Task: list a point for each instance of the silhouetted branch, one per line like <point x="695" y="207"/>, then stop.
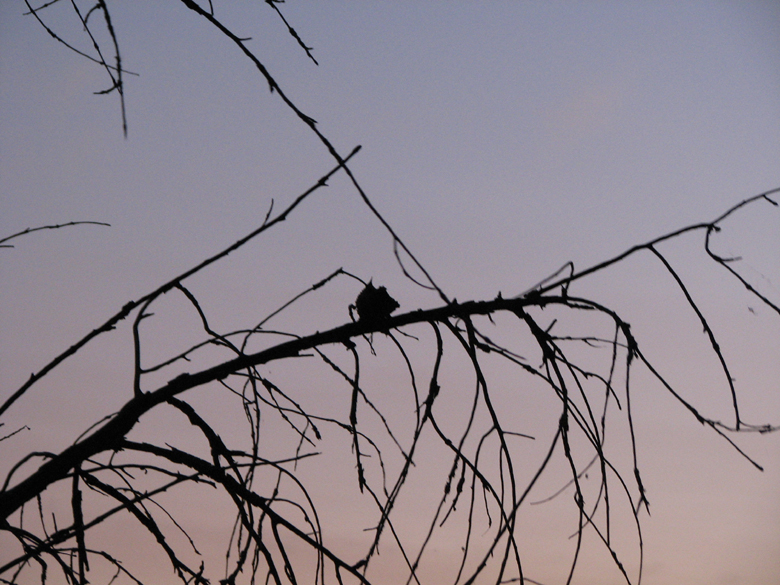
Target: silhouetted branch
<point x="130" y="306"/>
<point x="278" y="534"/>
<point x="47" y="227"/>
<point x="560" y="372"/>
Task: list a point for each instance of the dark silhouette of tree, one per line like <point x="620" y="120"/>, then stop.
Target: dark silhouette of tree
<point x="470" y="442"/>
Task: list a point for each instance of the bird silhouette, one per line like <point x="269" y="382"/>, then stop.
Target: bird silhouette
<point x="375" y="304"/>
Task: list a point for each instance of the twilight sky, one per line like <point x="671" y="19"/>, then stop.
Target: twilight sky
<point x="500" y="140"/>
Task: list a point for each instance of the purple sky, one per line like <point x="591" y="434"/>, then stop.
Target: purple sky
<point x="499" y="139"/>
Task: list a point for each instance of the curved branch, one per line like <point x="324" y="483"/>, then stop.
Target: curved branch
<point x="129" y="307"/>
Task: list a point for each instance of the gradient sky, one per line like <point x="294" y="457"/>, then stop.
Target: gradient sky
<point x="499" y="139"/>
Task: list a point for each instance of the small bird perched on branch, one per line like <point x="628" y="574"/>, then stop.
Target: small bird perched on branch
<point x="375" y="304"/>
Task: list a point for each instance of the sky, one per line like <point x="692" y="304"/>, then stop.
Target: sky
<point x="500" y="140"/>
